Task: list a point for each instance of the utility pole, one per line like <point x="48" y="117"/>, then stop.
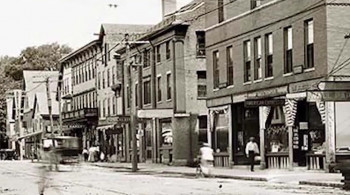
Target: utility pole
<point x="60" y="83"/>
<point x="49" y="104"/>
<point x="132" y="105"/>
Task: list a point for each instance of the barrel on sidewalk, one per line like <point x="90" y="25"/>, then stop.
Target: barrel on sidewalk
<point x="344" y="168"/>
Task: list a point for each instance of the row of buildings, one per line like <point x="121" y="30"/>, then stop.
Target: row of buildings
<point x="218" y="72"/>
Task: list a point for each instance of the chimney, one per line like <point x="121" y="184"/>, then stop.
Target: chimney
<point x="168" y="6"/>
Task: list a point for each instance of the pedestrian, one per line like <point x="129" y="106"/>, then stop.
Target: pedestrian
<point x="85" y="154"/>
<point x="251" y="150"/>
<point x="102" y="156"/>
<point x="207" y="158"/>
<point x="32" y="153"/>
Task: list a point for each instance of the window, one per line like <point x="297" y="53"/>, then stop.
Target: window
<point x="257" y="53"/>
<point x="202" y="136"/>
<point x="113" y="75"/>
<point x="146" y="58"/>
<point x="90" y="76"/>
<point x="107" y="55"/>
<point x="86" y="72"/>
<point x="104" y="108"/>
<point x="93" y="68"/>
<point x="247" y="61"/>
<point x="73" y="78"/>
<point x="229" y="63"/>
<point x="201" y="84"/>
<point x="103" y="80"/>
<point x="288" y="50"/>
<point x="269" y="55"/>
<point x="147" y="91"/>
<point x="159" y="88"/>
<point x="158" y="53"/>
<point x="136" y="95"/>
<point x="255" y="3"/>
<point x="221" y="10"/>
<point x="114" y="109"/>
<point x="128" y="97"/>
<point x="168" y="86"/>
<point x="167" y="49"/>
<point x="99" y="80"/>
<point x="108" y="81"/>
<point x="216" y="70"/>
<point x="200" y="43"/>
<point x="109" y="107"/>
<point x="100" y="109"/>
<point x="309" y="43"/>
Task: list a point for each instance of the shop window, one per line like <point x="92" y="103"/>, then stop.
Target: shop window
<point x="221" y="131"/>
<point x="342" y="124"/>
<point x="167" y="133"/>
<point x="276" y="132"/>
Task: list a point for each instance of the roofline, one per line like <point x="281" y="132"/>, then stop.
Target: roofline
<point x="73" y="53"/>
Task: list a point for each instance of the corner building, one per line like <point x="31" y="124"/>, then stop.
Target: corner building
<point x="266" y="61"/>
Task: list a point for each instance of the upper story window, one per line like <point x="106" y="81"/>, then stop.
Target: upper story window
<point x="309" y="44"/>
<point x="200" y="43"/>
<point x="146" y="58"/>
<point x="288" y="50"/>
<point x="158" y="53"/>
<point x="108" y="80"/>
<point x="107" y="55"/>
<point x="201" y="84"/>
<point x="113" y="75"/>
<point x="255" y="3"/>
<point x="229" y="63"/>
<point x="103" y="80"/>
<point x="159" y="88"/>
<point x="168" y="86"/>
<point x="167" y="49"/>
<point x="136" y="95"/>
<point x="147" y="91"/>
<point x="269" y="55"/>
<point x="221" y="13"/>
<point x="90" y="67"/>
<point x="257" y="64"/>
<point x="216" y="70"/>
<point x="247" y="61"/>
<point x="99" y="80"/>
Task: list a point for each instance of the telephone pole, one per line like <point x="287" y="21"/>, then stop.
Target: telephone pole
<point x="49" y="104"/>
<point x="132" y="105"/>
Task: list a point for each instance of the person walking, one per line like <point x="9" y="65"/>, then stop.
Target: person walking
<point x="251" y="150"/>
<point x="85" y="154"/>
<point x="207" y="158"/>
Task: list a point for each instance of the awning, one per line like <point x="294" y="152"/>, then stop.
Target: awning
<point x="31" y="134"/>
<point x="155" y="113"/>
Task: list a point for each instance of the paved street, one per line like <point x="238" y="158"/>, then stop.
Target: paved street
<point x="22" y="178"/>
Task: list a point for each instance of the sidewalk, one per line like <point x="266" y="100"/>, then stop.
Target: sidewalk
<point x="297" y="176"/>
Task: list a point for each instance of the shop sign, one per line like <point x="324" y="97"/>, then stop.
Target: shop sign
<point x="257" y="103"/>
<point x="303" y="86"/>
<point x="123" y="119"/>
<point x="335" y="95"/>
<point x="269" y="92"/>
<point x="113" y="131"/>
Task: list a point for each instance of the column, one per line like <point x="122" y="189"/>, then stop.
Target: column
<point x="230" y="133"/>
<point x="290" y="113"/>
<point x="263" y="114"/>
<point x="178" y="76"/>
<point x="330" y="134"/>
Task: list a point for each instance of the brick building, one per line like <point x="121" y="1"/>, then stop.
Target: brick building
<point x="265" y="61"/>
<point x="78" y="92"/>
<point x="169" y="87"/>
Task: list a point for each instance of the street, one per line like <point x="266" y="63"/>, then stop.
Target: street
<point x="21" y="177"/>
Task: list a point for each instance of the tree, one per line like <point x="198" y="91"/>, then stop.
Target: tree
<point x="44" y="57"/>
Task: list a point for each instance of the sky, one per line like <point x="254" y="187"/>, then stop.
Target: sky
<point x="73" y="22"/>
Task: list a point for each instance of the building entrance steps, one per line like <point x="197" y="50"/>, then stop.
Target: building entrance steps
<point x="299" y="175"/>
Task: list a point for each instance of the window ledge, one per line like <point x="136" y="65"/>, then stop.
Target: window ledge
<point x="201" y="98"/>
<point x="258" y="81"/>
<point x="247" y="83"/>
<point x="216" y="89"/>
<point x="268" y="78"/>
<point x="288" y="74"/>
<point x="230" y="86"/>
<point x="148" y="104"/>
<point x="309" y="69"/>
<point x="200" y="56"/>
<point x="147" y="67"/>
<point x="158" y="102"/>
<point x="168" y="100"/>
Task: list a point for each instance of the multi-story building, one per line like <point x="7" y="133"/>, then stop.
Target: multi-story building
<point x="265" y="62"/>
<point x="35" y="123"/>
<point x="111" y="141"/>
<point x="78" y="92"/>
<point x="170" y="87"/>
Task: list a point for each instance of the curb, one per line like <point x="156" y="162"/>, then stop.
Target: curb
<point x="247" y="178"/>
<point x="323" y="184"/>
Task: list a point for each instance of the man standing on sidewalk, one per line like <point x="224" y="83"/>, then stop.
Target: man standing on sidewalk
<point x="251" y="149"/>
